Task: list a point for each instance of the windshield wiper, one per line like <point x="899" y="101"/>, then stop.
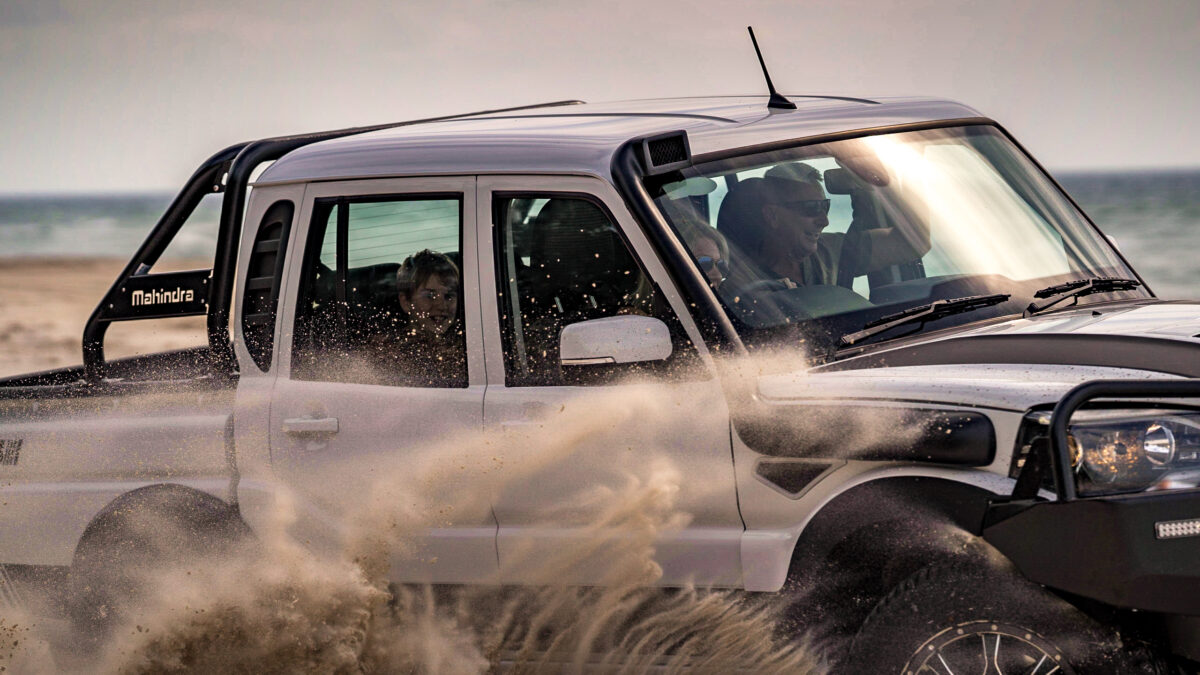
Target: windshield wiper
<point x="1077" y="289"/>
<point x="922" y="314"/>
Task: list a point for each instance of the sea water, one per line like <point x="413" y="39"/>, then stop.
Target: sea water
<point x="1154" y="217"/>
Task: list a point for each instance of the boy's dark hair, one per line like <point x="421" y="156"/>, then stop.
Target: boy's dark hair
<point x="420" y="266"/>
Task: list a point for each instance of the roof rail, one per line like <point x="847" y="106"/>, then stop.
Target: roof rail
<point x="852" y="99"/>
<point x="227" y="171"/>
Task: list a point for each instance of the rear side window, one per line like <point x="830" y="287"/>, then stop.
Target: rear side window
<point x="380" y="297"/>
<point x="561" y="260"/>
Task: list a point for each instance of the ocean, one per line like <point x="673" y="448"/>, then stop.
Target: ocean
<point x="1154" y="216"/>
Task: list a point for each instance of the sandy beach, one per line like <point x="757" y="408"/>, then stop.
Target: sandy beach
<point x="45" y="302"/>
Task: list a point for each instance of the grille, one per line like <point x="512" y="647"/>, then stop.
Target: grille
<point x="667" y="151"/>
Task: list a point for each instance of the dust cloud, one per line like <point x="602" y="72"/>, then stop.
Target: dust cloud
<point x="277" y="604"/>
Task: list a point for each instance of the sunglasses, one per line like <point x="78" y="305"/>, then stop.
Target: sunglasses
<point x="809" y="208"/>
<point x="707" y="264"/>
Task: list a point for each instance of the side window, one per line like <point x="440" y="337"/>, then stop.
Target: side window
<point x="561" y="260"/>
<point x="379" y="299"/>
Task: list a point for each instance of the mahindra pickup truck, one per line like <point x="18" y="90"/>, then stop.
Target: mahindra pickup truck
<point x="922" y="402"/>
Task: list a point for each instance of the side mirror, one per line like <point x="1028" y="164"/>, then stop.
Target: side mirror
<point x="614" y="339"/>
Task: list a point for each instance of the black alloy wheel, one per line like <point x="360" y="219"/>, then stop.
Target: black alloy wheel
<point x="956" y="619"/>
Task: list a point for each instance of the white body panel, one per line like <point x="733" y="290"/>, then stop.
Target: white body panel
<point x="689" y="430"/>
<point x="333" y="473"/>
<point x="77" y="455"/>
<point x="999" y="386"/>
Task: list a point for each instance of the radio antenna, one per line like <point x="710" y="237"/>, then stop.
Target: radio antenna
<point x="777" y="100"/>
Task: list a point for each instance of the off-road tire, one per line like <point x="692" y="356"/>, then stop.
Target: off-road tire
<point x="951" y="619"/>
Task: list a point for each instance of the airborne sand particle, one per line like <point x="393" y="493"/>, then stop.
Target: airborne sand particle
<point x="280" y="607"/>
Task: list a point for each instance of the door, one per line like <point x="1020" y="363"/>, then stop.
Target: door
<point x="383" y="374"/>
<point x="589" y="445"/>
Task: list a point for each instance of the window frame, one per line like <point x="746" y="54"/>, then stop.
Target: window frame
<point x="494" y="189"/>
<point x="460" y="188"/>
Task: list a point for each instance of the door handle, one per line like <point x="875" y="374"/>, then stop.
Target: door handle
<point x="308" y="426"/>
<point x="515" y="425"/>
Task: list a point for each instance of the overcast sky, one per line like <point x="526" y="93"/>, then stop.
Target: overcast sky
<point x="133" y="94"/>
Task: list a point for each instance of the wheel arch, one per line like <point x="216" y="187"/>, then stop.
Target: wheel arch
<point x="190" y="508"/>
<point x="871" y="537"/>
<point x="910" y="505"/>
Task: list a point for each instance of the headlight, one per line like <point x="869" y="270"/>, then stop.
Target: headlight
<point x="1127" y="450"/>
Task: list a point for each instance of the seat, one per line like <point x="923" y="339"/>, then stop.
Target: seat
<point x="579" y="269"/>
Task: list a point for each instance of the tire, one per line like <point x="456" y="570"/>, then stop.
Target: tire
<point x="147" y="529"/>
<point x="947" y="619"/>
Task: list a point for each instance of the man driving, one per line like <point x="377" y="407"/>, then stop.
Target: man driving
<point x="779" y="221"/>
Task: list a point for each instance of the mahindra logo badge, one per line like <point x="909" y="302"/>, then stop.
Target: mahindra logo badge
<point x="157" y="297"/>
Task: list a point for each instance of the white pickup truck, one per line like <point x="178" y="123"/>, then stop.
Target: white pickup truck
<point x="876" y="321"/>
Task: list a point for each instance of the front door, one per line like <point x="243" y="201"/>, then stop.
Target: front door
<point x="593" y="451"/>
<point x="383" y="374"/>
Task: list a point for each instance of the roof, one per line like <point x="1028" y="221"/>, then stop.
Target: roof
<point x="581" y="139"/>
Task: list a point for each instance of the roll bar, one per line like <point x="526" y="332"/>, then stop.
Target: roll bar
<point x="227" y="171"/>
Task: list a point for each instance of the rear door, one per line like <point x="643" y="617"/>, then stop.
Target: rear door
<point x="589" y="442"/>
<point x="359" y="429"/>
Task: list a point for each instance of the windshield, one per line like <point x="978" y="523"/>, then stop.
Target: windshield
<point x="822" y="239"/>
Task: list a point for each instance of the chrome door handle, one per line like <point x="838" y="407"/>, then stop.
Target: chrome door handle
<point x="308" y="426"/>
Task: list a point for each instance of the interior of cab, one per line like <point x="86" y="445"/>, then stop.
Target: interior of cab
<point x="893" y="222"/>
<point x="561" y="260"/>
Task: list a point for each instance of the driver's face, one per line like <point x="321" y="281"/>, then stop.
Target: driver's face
<point x="798" y="220"/>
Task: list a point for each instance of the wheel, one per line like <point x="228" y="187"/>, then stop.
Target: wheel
<point x="137" y="533"/>
<point x="954" y="620"/>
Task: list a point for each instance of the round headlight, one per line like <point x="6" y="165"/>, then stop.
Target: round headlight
<point x="1075" y="450"/>
<point x="1159" y="444"/>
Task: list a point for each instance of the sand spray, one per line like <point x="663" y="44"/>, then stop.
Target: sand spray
<point x="275" y="605"/>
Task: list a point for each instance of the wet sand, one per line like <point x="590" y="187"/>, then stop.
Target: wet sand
<point x="45" y="303"/>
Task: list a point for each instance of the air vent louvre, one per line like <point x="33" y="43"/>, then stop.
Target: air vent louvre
<point x="667" y="151"/>
<point x="263" y="281"/>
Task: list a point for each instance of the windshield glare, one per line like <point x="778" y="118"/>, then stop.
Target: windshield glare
<point x="822" y="239"/>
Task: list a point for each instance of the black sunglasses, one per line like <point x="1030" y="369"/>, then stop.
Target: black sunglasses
<point x="809" y="208"/>
<point x="707" y="263"/>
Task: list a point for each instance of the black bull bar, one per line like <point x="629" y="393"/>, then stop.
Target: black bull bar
<point x="1109" y="548"/>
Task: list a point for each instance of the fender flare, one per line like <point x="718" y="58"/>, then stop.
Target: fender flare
<point x="154" y="525"/>
<point x="196" y="510"/>
<point x="874" y="535"/>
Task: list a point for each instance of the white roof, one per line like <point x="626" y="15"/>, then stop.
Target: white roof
<point x="581" y="139"/>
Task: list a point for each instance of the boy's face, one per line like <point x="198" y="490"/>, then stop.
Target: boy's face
<point x="433" y="305"/>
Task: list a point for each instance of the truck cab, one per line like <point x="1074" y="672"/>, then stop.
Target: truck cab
<point x="861" y="332"/>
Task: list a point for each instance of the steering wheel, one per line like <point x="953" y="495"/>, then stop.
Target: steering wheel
<point x="765" y="286"/>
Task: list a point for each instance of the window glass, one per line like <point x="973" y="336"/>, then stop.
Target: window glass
<point x="380" y="298"/>
<point x="561" y="260"/>
<point x="822" y="240"/>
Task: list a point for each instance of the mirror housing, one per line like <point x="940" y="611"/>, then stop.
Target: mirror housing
<point x="614" y="339"/>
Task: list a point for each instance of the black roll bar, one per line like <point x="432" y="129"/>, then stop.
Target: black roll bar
<point x="228" y="171"/>
<point x="1088" y="391"/>
<point x="206" y="180"/>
